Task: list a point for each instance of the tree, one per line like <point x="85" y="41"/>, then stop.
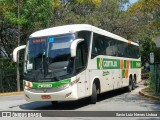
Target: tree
<point x="146" y="13"/>
<point x="35" y="15"/>
<point x="149" y="12"/>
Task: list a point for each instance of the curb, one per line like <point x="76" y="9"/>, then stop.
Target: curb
<point x="11" y="93"/>
<point x="141" y="92"/>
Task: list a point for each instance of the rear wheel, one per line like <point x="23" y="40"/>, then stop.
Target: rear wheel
<point x="94" y="94"/>
<point x="129" y="88"/>
<point x="133" y="84"/>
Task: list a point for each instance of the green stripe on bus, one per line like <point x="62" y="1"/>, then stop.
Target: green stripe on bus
<point x="135" y="64"/>
<point x="104" y="63"/>
<point x="49" y="84"/>
<point x="125" y="63"/>
<point x="123" y="73"/>
<point x="98" y="63"/>
<point x="108" y="63"/>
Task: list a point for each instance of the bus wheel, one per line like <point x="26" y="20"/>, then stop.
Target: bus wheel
<point x="94" y="94"/>
<point x="133" y="84"/>
<point x="129" y="88"/>
<point x="54" y="102"/>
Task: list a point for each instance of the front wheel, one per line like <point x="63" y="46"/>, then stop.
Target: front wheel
<point x="94" y="94"/>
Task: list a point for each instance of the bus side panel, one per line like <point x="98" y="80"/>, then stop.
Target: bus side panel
<point x="81" y="87"/>
<point x="94" y="73"/>
<point x="109" y="78"/>
<point x="137" y="72"/>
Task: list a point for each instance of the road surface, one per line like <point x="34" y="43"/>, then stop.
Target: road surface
<point x="117" y="100"/>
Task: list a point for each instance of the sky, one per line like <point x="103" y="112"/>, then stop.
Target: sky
<point x="133" y="1"/>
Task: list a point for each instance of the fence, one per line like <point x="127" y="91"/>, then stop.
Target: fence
<point x="155" y="77"/>
<point x="7" y="80"/>
<point x="8" y="75"/>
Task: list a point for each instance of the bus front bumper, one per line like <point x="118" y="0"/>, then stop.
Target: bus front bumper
<point x="63" y="95"/>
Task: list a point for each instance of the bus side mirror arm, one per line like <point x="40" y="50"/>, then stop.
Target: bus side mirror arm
<point x="16" y="50"/>
<point x="74" y="46"/>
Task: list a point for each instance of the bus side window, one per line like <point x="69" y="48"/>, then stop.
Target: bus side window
<point x="105" y="45"/>
<point x="79" y="61"/>
<point x="115" y="50"/>
<point x="126" y="54"/>
<point x="120" y="49"/>
<point x="110" y="48"/>
<point x="109" y="51"/>
<point x="99" y="46"/>
<point x="96" y="48"/>
<point x="125" y="49"/>
<point x="86" y="35"/>
<point x="132" y="52"/>
<point x="137" y="52"/>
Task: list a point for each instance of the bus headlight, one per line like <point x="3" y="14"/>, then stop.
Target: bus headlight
<point x="27" y="85"/>
<point x="27" y="88"/>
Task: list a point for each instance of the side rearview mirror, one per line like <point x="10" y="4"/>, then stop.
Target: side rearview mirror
<point x="74" y="46"/>
<point x="16" y="50"/>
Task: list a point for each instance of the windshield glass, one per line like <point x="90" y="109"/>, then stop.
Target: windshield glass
<point x="48" y="58"/>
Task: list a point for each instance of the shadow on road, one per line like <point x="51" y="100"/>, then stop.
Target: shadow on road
<point x="111" y="94"/>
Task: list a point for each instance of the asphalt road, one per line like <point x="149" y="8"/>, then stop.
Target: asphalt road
<point x="117" y="100"/>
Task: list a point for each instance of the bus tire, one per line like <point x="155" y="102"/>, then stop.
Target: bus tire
<point x="129" y="87"/>
<point x="54" y="102"/>
<point x="133" y="84"/>
<point x="94" y="94"/>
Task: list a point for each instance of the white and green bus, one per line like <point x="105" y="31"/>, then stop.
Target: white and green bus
<point x="75" y="61"/>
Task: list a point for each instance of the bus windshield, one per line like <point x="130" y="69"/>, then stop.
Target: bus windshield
<point x="48" y="58"/>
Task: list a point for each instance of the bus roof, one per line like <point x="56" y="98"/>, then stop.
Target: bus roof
<point x="74" y="28"/>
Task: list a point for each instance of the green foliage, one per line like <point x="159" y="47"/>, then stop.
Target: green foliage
<point x="147" y="83"/>
<point x="36" y="12"/>
<point x="146" y="13"/>
<point x="7" y="75"/>
<point x="12" y="18"/>
<point x="6" y="64"/>
<point x="31" y="11"/>
<point x="95" y="2"/>
<point x="34" y="15"/>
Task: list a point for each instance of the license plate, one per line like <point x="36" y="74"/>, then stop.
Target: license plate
<point x="46" y="97"/>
